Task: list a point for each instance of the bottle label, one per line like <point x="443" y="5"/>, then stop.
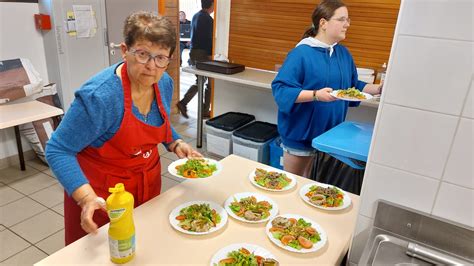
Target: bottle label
<point x="120" y="249"/>
<point x="116" y="214"/>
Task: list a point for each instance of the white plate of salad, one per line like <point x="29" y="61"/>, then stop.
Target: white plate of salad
<point x="310" y="236"/>
<point x="251" y="207"/>
<point x="195" y="168"/>
<point x="272" y="179"/>
<point x="325" y="196"/>
<point x="352" y="95"/>
<point x="243" y="254"/>
<point x="198" y="217"/>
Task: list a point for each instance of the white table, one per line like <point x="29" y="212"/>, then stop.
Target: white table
<point x="14" y="114"/>
<point x="159" y="244"/>
<point x="250" y="76"/>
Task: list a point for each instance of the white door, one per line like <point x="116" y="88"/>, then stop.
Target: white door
<point x="73" y="57"/>
<point x="117" y="11"/>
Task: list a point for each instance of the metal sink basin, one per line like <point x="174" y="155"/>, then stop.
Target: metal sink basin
<point x="389" y="250"/>
<point x="401" y="236"/>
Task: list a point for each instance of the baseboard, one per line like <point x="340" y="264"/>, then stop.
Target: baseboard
<point x="14" y="160"/>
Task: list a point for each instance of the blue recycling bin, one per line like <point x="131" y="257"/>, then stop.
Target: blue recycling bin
<point x="276" y="154"/>
<point x="347" y="142"/>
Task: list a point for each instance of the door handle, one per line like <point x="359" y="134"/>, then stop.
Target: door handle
<point x="114" y="46"/>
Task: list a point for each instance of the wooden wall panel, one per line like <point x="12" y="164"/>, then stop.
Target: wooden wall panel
<point x="263" y="31"/>
<point x="170" y="10"/>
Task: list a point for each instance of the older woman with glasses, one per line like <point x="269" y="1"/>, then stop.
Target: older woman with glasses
<point x="111" y="131"/>
<point x="317" y="65"/>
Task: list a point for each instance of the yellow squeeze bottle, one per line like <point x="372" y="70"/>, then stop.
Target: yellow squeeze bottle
<point x="121" y="229"/>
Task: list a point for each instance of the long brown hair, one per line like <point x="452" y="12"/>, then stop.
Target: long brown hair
<point x="326" y="10"/>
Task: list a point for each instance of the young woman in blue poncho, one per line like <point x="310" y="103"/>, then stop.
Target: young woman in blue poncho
<point x="312" y="70"/>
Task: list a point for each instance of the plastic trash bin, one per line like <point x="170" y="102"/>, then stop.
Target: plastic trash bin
<point x="220" y="128"/>
<point x="276" y="153"/>
<point x="251" y="141"/>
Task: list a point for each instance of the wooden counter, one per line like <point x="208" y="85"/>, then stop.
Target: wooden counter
<point x="158" y="243"/>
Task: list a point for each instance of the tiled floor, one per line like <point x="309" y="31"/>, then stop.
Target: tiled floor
<point x="31" y="201"/>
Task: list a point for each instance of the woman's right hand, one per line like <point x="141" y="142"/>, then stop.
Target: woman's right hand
<point x="324" y="95"/>
<point x="89" y="205"/>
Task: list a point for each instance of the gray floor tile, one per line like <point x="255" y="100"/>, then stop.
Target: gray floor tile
<point x="170" y="155"/>
<point x="40" y="226"/>
<point x="165" y="162"/>
<point x="49" y="172"/>
<point x="7" y="195"/>
<point x="11" y="244"/>
<point x="52" y="243"/>
<point x="31" y="184"/>
<point x="188" y="132"/>
<point x="49" y="196"/>
<point x="11" y="174"/>
<point x="19" y="210"/>
<point x="59" y="209"/>
<point x="167" y="183"/>
<point x="162" y="149"/>
<point x="27" y="257"/>
<point x="37" y="164"/>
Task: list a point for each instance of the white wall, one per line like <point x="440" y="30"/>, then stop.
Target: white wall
<point x="422" y="150"/>
<point x="19" y="38"/>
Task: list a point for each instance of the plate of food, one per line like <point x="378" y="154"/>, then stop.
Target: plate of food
<point x="272" y="179"/>
<point x="195" y="168"/>
<point x="243" y="254"/>
<point x="296" y="233"/>
<point x="251" y="207"/>
<point x="325" y="196"/>
<point x="352" y="95"/>
<point x="198" y="217"/>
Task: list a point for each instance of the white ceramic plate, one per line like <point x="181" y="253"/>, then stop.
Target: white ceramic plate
<point x="256" y="250"/>
<point x="215" y="206"/>
<point x="290" y="176"/>
<point x="305" y="189"/>
<point x="316" y="246"/>
<point x="259" y="197"/>
<point x="367" y="97"/>
<point x="172" y="168"/>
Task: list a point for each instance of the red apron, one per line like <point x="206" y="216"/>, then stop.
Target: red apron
<point x="130" y="157"/>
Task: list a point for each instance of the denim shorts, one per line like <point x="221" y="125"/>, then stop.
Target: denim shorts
<point x="298" y="152"/>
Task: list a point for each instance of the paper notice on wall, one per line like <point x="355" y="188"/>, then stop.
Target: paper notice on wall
<point x="85" y="21"/>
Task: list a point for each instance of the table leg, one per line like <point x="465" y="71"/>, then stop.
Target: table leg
<point x="20" y="148"/>
<point x="200" y="84"/>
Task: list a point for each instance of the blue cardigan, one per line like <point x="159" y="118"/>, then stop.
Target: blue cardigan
<point x="311" y="68"/>
<point x="94" y="117"/>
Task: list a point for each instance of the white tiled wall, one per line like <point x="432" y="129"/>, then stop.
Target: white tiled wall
<point x="422" y="150"/>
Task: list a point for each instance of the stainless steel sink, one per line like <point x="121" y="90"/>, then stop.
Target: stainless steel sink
<point x="389" y="250"/>
<point x="401" y="236"/>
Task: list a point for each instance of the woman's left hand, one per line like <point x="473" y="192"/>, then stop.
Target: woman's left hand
<point x="184" y="150"/>
<point x="373" y="89"/>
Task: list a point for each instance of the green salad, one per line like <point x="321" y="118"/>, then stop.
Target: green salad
<point x="271" y="179"/>
<point x="297" y="234"/>
<point x="198" y="218"/>
<point x="196" y="168"/>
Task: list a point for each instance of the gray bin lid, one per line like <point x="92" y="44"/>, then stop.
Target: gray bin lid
<point x="257" y="131"/>
<point x="230" y="121"/>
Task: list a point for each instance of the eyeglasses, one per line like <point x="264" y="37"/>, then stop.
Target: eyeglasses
<point x="343" y="20"/>
<point x="143" y="57"/>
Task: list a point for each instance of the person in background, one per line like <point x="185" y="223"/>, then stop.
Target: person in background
<point x="317" y="65"/>
<point x="111" y="131"/>
<point x="183" y="44"/>
<point x="202" y="26"/>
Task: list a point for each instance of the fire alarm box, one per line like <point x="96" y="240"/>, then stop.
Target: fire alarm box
<point x="42" y="22"/>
